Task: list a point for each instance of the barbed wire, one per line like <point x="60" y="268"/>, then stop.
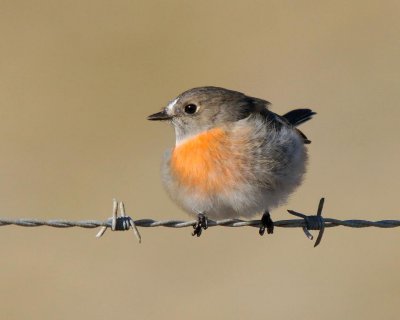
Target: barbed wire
<point x="124" y="222"/>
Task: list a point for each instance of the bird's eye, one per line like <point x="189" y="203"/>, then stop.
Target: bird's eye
<point x="190" y="108"/>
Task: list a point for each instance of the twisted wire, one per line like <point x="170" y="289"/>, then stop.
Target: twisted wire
<point x="148" y="223"/>
<point x="123" y="222"/>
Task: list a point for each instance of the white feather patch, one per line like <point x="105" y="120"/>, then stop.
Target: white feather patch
<point x="171" y="105"/>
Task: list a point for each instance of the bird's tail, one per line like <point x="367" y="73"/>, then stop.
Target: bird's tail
<point x="298" y="116"/>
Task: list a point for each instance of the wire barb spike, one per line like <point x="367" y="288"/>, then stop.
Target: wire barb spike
<point x="313" y="222"/>
<point x="121" y="223"/>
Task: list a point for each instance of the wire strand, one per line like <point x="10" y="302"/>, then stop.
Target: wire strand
<point x="149" y="223"/>
<point x="124" y="222"/>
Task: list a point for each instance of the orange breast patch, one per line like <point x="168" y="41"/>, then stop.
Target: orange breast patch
<point x="204" y="163"/>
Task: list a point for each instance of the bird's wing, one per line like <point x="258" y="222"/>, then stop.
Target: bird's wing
<point x="296" y="118"/>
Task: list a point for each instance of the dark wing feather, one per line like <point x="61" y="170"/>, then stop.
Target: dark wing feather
<point x="292" y="118"/>
<point x="298" y="116"/>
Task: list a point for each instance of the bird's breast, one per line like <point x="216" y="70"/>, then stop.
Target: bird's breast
<point x="205" y="163"/>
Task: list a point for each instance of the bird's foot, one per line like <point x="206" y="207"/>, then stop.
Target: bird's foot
<point x="266" y="223"/>
<point x="201" y="224"/>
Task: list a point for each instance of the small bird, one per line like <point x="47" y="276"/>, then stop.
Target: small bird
<point x="233" y="157"/>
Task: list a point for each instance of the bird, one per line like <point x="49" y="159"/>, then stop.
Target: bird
<point x="233" y="157"/>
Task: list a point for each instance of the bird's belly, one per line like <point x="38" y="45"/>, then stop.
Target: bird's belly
<point x="223" y="177"/>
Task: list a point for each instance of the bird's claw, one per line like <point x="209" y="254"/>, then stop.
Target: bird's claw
<point x="266" y="223"/>
<point x="202" y="223"/>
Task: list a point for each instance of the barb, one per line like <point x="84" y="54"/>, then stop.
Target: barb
<point x="313" y="222"/>
<point x="124" y="222"/>
<point x="121" y="223"/>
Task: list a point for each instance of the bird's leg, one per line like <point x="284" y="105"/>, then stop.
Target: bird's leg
<point x="202" y="223"/>
<point x="266" y="222"/>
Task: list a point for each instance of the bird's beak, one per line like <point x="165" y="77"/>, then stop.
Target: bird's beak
<point x="163" y="115"/>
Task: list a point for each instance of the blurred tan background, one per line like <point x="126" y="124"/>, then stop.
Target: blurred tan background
<point x="77" y="80"/>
